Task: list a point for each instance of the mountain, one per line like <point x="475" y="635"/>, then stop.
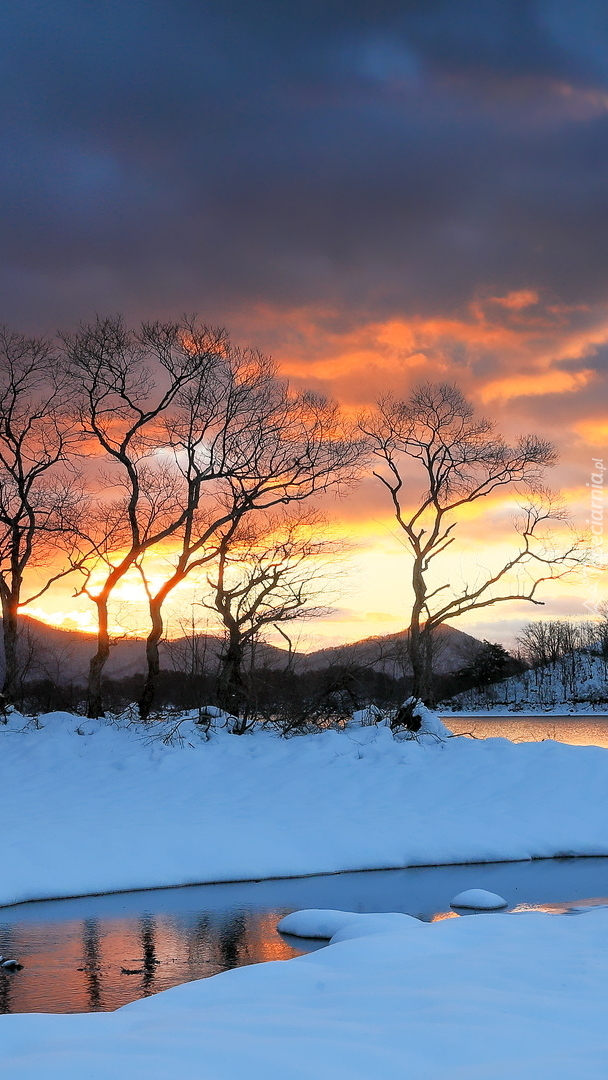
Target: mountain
<point x="63" y="655"/>
<point x="389" y="653"/>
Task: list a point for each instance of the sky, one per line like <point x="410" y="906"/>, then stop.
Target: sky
<point x="376" y="193"/>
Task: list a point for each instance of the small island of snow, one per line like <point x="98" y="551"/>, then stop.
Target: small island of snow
<point x="479" y="900"/>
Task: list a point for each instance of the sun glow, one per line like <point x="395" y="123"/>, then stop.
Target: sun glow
<point x="501" y="347"/>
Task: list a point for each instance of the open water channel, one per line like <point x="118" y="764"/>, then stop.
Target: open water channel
<point x="97" y="953"/>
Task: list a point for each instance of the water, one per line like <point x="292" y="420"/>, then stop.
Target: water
<point x="97" y="953"/>
<point x="576" y="730"/>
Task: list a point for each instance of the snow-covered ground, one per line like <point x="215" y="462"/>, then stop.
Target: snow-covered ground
<point x="95" y="807"/>
<point x="576" y="684"/>
<point x="486" y="996"/>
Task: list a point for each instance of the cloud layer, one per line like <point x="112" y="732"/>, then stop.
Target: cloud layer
<point x="376" y="192"/>
<point x="389" y="157"/>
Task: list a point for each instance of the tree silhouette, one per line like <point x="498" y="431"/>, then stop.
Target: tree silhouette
<point x="460" y="459"/>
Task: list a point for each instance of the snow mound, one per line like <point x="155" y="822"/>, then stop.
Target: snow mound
<point x="334" y="926"/>
<point x="431" y="728"/>
<point x="364" y="717"/>
<point x="430" y="724"/>
<point x="479" y="900"/>
<point x="315" y="922"/>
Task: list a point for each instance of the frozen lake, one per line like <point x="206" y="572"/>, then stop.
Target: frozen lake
<point x="576" y="730"/>
<point x="97" y="953"/>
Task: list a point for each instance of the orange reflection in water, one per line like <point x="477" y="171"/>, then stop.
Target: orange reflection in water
<point x="564" y="908"/>
<point x="97" y="965"/>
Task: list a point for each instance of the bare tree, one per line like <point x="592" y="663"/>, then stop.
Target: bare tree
<point x="261" y="446"/>
<point x="544" y="641"/>
<point x="40" y="500"/>
<point x="269" y="572"/>
<point x="219" y="437"/>
<point x="558" y="650"/>
<point x="461" y="459"/>
<point x="194" y="650"/>
<point x="114" y="374"/>
<point x="602" y="629"/>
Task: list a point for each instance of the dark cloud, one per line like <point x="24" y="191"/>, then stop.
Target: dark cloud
<point x="386" y="157"/>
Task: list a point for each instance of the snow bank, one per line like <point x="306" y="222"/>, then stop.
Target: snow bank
<point x="333" y="925"/>
<point x="517" y="711"/>
<point x="487" y="996"/>
<point x="363" y="717"/>
<point x="431" y="729"/>
<point x="108" y="810"/>
<point x="315" y="922"/>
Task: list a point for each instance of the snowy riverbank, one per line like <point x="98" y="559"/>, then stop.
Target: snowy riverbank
<point x="109" y="810"/>
<point x="492" y="996"/>
<point x="582" y="709"/>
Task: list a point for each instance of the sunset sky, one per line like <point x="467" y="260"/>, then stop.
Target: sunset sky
<point x="376" y="193"/>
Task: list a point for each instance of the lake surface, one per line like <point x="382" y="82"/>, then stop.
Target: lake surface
<point x="576" y="730"/>
<point x="97" y="953"/>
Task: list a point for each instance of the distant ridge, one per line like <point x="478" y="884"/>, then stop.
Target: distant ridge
<point x="389" y="653"/>
<point x="63" y="655"/>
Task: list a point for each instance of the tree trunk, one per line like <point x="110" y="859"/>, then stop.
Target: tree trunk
<point x="10" y="630"/>
<point x="421" y="651"/>
<point x="98" y="662"/>
<point x="230" y="681"/>
<point x="153" y="661"/>
<point x="416" y="659"/>
<point x="427" y="693"/>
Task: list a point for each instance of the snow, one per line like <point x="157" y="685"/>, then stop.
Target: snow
<point x="315" y="923"/>
<point x="489" y="996"/>
<point x="574" y="709"/>
<point x="112" y="809"/>
<point x="573" y="684"/>
<point x="97" y="806"/>
<point x="431" y="727"/>
<point x="371" y="714"/>
<point x="478" y="900"/>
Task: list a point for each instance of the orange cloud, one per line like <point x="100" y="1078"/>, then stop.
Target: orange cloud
<point x="594" y="432"/>
<point x="548" y="382"/>
<point x="517" y="300"/>
<point x="503" y="347"/>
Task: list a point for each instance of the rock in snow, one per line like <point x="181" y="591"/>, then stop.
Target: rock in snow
<point x="479" y="900"/>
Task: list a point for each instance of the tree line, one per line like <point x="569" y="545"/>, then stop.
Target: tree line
<point x="557" y="661"/>
<point x="167" y="451"/>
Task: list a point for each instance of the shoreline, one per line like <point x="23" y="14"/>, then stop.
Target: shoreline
<point x="297" y="877"/>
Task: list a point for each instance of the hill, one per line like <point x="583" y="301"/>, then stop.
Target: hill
<point x="389" y="653"/>
<point x="577" y="680"/>
<point x="63" y="655"/>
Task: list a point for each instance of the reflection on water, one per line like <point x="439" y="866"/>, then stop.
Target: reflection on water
<point x="100" y="963"/>
<point x="575" y="730"/>
<point x="90" y="940"/>
<point x="98" y="953"/>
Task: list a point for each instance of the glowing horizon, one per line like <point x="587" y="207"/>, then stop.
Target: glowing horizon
<point x="375" y="195"/>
